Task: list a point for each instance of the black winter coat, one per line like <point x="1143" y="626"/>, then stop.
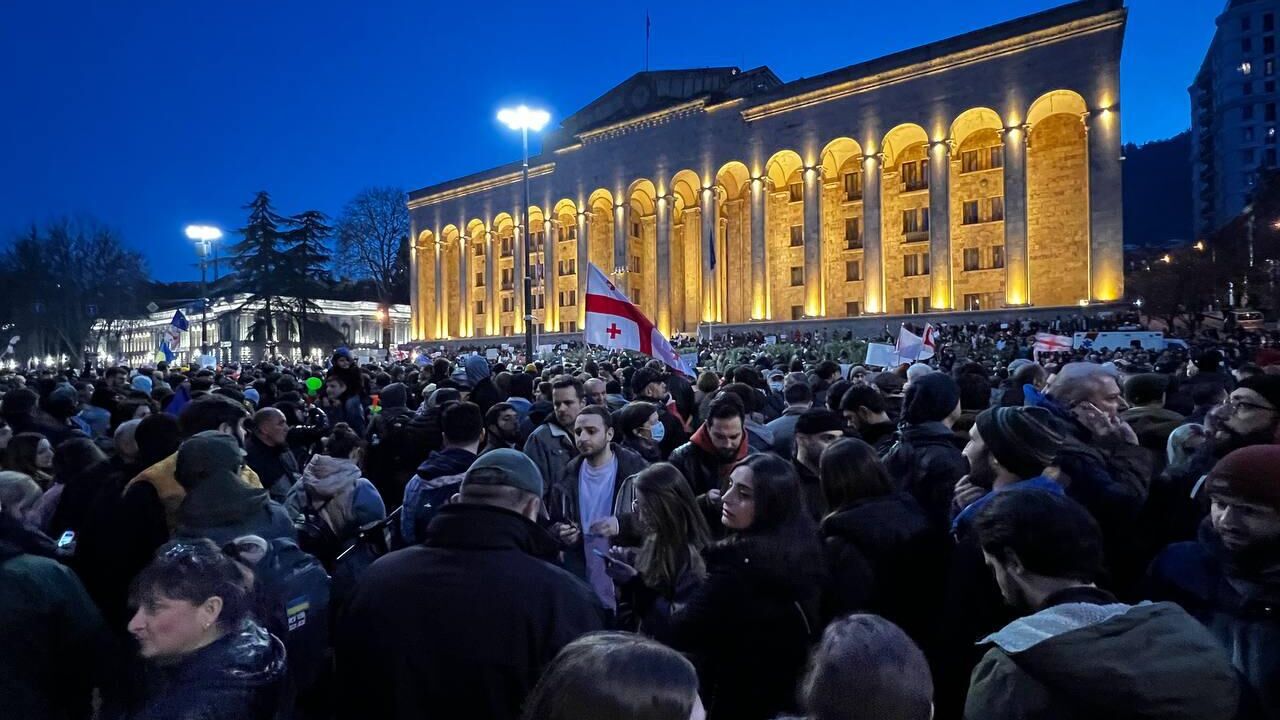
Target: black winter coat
<point x="461" y="626"/>
<point x="238" y="677"/>
<point x="751" y="625"/>
<point x="276" y="467"/>
<point x="883" y="557"/>
<point x="926" y="462"/>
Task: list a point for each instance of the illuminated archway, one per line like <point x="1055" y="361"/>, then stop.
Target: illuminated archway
<point x="977" y="210"/>
<point x="1057" y="199"/>
<point x="733" y="244"/>
<point x="600" y="244"/>
<point x="642" y="264"/>
<point x="476" y="250"/>
<point x="842" y="251"/>
<point x="905" y="225"/>
<point x="537" y="239"/>
<point x="451" y="256"/>
<point x="502" y="293"/>
<point x="785" y="235"/>
<point x="426" y="311"/>
<point x="565" y="278"/>
<point x="686" y="251"/>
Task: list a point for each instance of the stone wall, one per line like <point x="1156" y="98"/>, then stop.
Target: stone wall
<point x="895" y="201"/>
<point x="781" y="216"/>
<point x="1057" y="211"/>
<point x="984" y="237"/>
<point x="835" y="250"/>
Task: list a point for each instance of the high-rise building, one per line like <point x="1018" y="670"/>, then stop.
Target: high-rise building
<point x="972" y="173"/>
<point x="1233" y="112"/>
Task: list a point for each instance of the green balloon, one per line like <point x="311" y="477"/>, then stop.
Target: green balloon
<point x="314" y="384"/>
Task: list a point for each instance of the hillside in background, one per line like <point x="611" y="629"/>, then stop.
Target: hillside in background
<point x="1157" y="192"/>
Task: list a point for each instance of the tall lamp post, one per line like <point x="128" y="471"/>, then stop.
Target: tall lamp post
<point x="524" y="119"/>
<point x="204" y="236"/>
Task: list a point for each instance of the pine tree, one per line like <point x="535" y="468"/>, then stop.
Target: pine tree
<point x="259" y="259"/>
<point x="306" y="273"/>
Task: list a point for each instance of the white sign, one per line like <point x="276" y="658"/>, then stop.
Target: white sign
<point x="690" y="360"/>
<point x="208" y="361"/>
<point x="1118" y="340"/>
<point x="770" y="339"/>
<point x="882" y="355"/>
<point x="491" y="353"/>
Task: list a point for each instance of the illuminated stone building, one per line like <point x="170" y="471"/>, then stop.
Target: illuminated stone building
<point x="973" y="173"/>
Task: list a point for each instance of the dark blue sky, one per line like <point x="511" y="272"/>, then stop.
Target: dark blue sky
<point x="151" y="114"/>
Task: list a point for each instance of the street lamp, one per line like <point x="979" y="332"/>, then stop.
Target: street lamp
<point x="205" y="236"/>
<point x="525" y="119"/>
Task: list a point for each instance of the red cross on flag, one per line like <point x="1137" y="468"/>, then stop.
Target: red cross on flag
<point x="1048" y="342"/>
<point x="615" y="323"/>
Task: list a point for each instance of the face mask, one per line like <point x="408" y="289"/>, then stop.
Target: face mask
<point x="775" y="386"/>
<point x="658" y="432"/>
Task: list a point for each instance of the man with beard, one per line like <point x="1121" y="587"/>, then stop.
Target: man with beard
<point x="1078" y="652"/>
<point x="1230" y="578"/>
<point x="501" y="427"/>
<point x="709" y="456"/>
<point x="815" y="430"/>
<point x="1250" y="416"/>
<point x="551" y="446"/>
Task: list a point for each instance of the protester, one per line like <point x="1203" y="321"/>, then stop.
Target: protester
<point x="866" y="668"/>
<point x="753" y="619"/>
<point x="207" y="656"/>
<point x="483" y="392"/>
<point x="441" y="473"/>
<point x="267" y="452"/>
<point x="712" y="453"/>
<point x="1147" y="415"/>
<point x="815" y="431"/>
<point x="638" y="427"/>
<point x="501" y="427"/>
<point x="333" y="488"/>
<point x="651" y="386"/>
<point x="799" y="398"/>
<point x="1078" y="652"/>
<point x="341" y="402"/>
<point x="217" y="503"/>
<point x="463" y="625"/>
<point x="925" y="459"/>
<point x="551" y="445"/>
<point x="594" y="390"/>
<point x="616" y="675"/>
<point x="866" y="414"/>
<point x="79" y="471"/>
<point x="1229" y="578"/>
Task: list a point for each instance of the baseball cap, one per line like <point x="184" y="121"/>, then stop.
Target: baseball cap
<point x="507" y="467"/>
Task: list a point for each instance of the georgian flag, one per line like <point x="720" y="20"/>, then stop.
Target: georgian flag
<point x="614" y="322"/>
<point x="1048" y="342"/>
<point x="917" y="347"/>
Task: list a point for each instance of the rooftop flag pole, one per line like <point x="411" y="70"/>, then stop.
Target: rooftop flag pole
<point x="647" y="24"/>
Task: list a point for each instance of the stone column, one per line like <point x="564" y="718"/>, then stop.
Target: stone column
<point x="813" y="275"/>
<point x="466" y="322"/>
<point x="1106" y="232"/>
<point x="940" y="225"/>
<point x="662" y="241"/>
<point x="872" y="249"/>
<point x="622" y="247"/>
<point x="583" y="264"/>
<point x="709" y="223"/>
<point x="759" y="266"/>
<point x="439" y="312"/>
<point x="517" y="265"/>
<point x="550" y="311"/>
<point x="1017" y="279"/>
<point x="493" y="319"/>
<point x="417" y="318"/>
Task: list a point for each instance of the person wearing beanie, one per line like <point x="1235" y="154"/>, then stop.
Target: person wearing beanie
<point x="1147" y="415"/>
<point x="925" y="459"/>
<point x="142" y="383"/>
<point x="1008" y="447"/>
<point x="915" y="371"/>
<point x="815" y="430"/>
<point x="218" y="504"/>
<point x="1229" y="578"/>
<point x="890" y="385"/>
<point x="483" y="593"/>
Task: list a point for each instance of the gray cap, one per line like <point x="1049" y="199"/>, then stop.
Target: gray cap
<point x="508" y="467"/>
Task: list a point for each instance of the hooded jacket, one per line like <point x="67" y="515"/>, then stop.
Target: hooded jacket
<point x="218" y="505"/>
<point x="483" y="392"/>
<point x="349" y="500"/>
<point x="237" y="677"/>
<point x="1153" y="427"/>
<point x="1238" y="605"/>
<point x="1087" y="656"/>
<point x="439" y="475"/>
<point x="462" y="625"/>
<point x="53" y="642"/>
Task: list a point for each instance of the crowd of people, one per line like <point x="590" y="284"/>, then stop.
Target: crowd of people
<point x="988" y="535"/>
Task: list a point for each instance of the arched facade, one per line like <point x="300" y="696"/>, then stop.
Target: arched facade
<point x="976" y="173"/>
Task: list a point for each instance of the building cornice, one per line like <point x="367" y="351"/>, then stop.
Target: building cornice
<point x="658" y="117"/>
<point x="480" y="186"/>
<point x="1097" y="23"/>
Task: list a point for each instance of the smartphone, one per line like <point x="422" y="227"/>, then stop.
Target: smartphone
<point x="68" y="538"/>
<point x="604" y="556"/>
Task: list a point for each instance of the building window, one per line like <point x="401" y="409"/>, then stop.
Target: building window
<point x="969" y="161"/>
<point x="972" y="301"/>
<point x="853" y="233"/>
<point x="971" y="261"/>
<point x="915" y="264"/>
<point x="568" y="267"/>
<point x="997" y="256"/>
<point x="480" y="279"/>
<point x="1248" y="87"/>
<point x="1246" y="45"/>
<point x="507" y="304"/>
<point x="479" y="249"/>
<point x="1269" y="67"/>
<point x="1268" y="22"/>
<point x="915" y="221"/>
<point x="539" y="301"/>
<point x="508" y="276"/>
<point x="573" y="232"/>
<point x="570" y="326"/>
<point x="853" y="308"/>
<point x="1248" y="134"/>
<point x="797" y="235"/>
<point x="1246" y="23"/>
<point x="797" y="276"/>
<point x="853" y="186"/>
<point x="635" y="264"/>
<point x="635" y="229"/>
<point x="1271" y="157"/>
<point x="1246" y="156"/>
<point x="1248" y="111"/>
<point x="984" y="159"/>
<point x="915" y="175"/>
<point x="506" y="247"/>
<point x="1271" y="113"/>
<point x="1269" y="44"/>
<point x="568" y="298"/>
<point x="508" y="330"/>
<point x="997" y="156"/>
<point x="970" y="213"/>
<point x="997" y="208"/>
<point x="915" y="305"/>
<point x="852" y="271"/>
<point x="795" y="192"/>
<point x="797" y="312"/>
<point x="479" y="307"/>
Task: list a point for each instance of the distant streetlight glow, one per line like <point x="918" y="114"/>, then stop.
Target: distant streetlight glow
<point x="1166" y="258"/>
<point x="203" y="233"/>
<point x="1199" y="245"/>
<point x="524" y="118"/>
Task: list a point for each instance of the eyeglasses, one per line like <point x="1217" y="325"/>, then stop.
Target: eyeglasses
<point x="1235" y="405"/>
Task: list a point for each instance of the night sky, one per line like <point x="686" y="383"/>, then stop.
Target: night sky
<point x="148" y="115"/>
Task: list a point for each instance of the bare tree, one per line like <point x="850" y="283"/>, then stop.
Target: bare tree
<point x="373" y="241"/>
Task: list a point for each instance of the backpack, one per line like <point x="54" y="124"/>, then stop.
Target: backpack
<point x="291" y="590"/>
<point x="394" y="453"/>
<point x="371" y="542"/>
<point x="431" y="496"/>
<point x="315" y="536"/>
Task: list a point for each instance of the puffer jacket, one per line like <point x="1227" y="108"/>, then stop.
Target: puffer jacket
<point x="1085" y="655"/>
<point x="237" y="677"/>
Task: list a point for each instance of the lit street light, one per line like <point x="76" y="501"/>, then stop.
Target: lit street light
<point x="206" y="237"/>
<point x="524" y="119"/>
<point x="1199" y="245"/>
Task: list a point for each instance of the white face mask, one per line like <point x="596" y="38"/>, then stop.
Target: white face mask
<point x="775" y="386"/>
<point x="658" y="432"/>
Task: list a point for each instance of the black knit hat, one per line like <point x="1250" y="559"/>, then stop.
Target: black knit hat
<point x="818" y="420"/>
<point x="1021" y="438"/>
<point x="931" y="398"/>
<point x="1268" y="386"/>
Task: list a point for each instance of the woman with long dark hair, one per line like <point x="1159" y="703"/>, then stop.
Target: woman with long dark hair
<point x="754" y="617"/>
<point x="667" y="568"/>
<point x="617" y="676"/>
<point x="31" y="454"/>
<point x="882" y="555"/>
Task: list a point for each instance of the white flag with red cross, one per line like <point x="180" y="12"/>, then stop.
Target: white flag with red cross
<point x="614" y="322"/>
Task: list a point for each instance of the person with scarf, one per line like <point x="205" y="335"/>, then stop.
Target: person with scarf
<point x="716" y="447"/>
